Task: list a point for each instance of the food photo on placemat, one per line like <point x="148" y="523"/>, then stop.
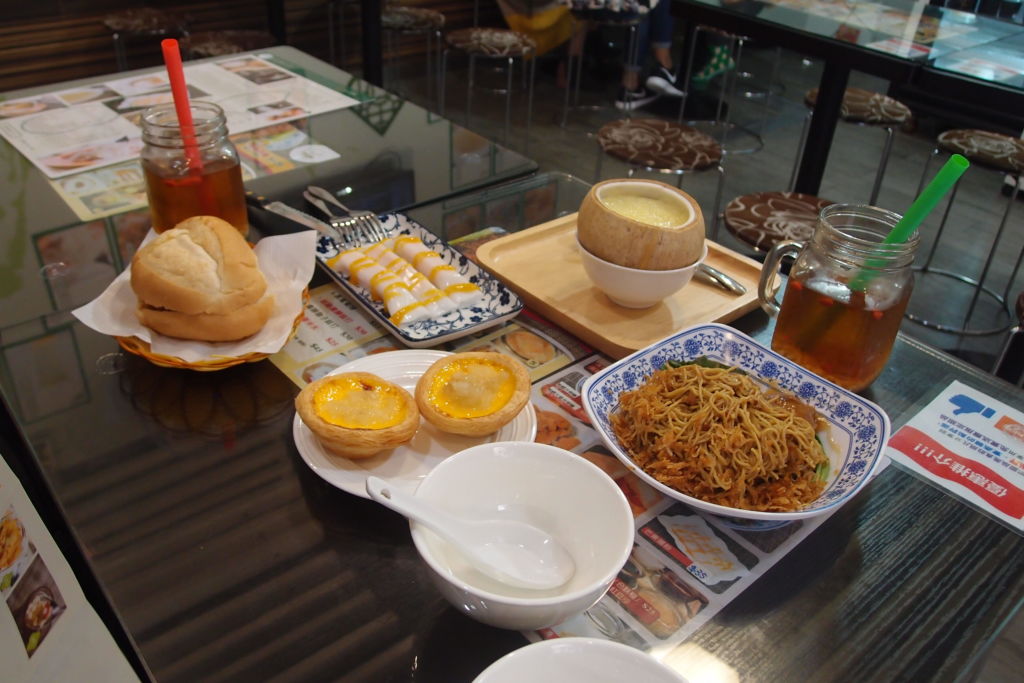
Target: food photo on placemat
<point x="36" y="604"/>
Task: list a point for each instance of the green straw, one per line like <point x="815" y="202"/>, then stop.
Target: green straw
<point x="942" y="183"/>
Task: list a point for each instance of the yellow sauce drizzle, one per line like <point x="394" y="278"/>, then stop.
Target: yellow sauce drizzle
<point x="356" y="266"/>
<point x="439" y="269"/>
<point x="401" y="313"/>
<point x="461" y="287"/>
<point x="356" y="404"/>
<point x="468" y="388"/>
<point x="422" y="256"/>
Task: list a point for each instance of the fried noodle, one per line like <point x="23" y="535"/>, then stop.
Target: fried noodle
<point x="716" y="435"/>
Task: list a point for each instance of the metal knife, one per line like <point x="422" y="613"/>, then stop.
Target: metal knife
<point x="300" y="217"/>
<point x="713" y="276"/>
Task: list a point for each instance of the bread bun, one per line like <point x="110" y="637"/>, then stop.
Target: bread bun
<point x="358" y="414"/>
<point x="473" y="393"/>
<point x="200" y="280"/>
<point x="201" y="265"/>
<point x="212" y="327"/>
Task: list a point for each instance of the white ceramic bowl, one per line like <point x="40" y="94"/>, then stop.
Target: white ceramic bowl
<point x="857" y="428"/>
<point x="551" y="488"/>
<point x="577" y="660"/>
<point x="634" y="288"/>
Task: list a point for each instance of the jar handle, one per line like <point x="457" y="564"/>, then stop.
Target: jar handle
<point x="770" y="269"/>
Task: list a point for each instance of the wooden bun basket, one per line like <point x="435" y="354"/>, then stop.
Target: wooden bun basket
<point x="141" y="348"/>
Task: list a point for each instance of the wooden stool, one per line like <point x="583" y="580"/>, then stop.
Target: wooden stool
<point x="763" y="219"/>
<point x="659" y="146"/>
<point x="998" y="152"/>
<point x="397" y="21"/>
<point x="219" y="43"/>
<point x="141" y="23"/>
<point x="498" y="44"/>
<point x="864" y="108"/>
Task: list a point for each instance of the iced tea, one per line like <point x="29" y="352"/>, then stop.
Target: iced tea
<point x="845" y="337"/>
<point x="218" y="191"/>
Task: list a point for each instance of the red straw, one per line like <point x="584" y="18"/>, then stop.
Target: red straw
<point x="176" y="74"/>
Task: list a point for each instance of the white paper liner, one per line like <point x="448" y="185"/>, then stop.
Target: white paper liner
<point x="287" y="262"/>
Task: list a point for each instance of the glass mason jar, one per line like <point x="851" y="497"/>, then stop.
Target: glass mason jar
<point x="846" y="294"/>
<point x="204" y="179"/>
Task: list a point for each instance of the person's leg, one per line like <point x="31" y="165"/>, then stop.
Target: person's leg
<point x="663" y="77"/>
<point x="632" y="94"/>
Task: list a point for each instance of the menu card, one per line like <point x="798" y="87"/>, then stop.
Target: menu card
<point x="89" y="127"/>
<point x="48" y="630"/>
<point x="972" y="446"/>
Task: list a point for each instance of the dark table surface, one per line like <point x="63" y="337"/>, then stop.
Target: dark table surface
<point x="226" y="557"/>
<point x="854" y="35"/>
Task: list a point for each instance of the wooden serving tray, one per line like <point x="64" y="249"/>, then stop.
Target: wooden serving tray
<point x="542" y="265"/>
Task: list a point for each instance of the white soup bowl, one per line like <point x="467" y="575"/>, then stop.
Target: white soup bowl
<point x="551" y="488"/>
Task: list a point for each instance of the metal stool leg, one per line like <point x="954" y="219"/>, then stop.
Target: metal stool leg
<point x="889" y="132"/>
<point x="632" y="48"/>
<point x="573" y="74"/>
<point x="529" y="100"/>
<point x="988" y="262"/>
<point x="469" y="86"/>
<point x="441" y="82"/>
<point x="689" y="73"/>
<point x="800" y="152"/>
<point x="331" y="10"/>
<point x="599" y="163"/>
<point x="1020" y="256"/>
<point x="120" y="58"/>
<point x="508" y="97"/>
<point x="718" y="201"/>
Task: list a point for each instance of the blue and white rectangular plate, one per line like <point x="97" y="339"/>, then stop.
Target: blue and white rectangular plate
<point x="499" y="303"/>
<point x="859" y="429"/>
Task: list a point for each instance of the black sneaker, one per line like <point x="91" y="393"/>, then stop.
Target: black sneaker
<point x="629" y="100"/>
<point x="1008" y="182"/>
<point x="664" y="81"/>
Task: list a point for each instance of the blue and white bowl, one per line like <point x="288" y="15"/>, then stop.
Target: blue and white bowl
<point x="859" y="429"/>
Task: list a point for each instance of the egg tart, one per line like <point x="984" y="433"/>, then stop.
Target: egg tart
<point x="358" y="414"/>
<point x="473" y="393"/>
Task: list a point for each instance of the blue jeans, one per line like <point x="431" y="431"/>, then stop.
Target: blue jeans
<point x="655" y="31"/>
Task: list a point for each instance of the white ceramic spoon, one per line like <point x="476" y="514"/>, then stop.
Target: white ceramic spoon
<point x="514" y="553"/>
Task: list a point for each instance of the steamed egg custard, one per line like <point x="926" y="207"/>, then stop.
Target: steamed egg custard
<point x="662" y="212"/>
<point x="358" y="414"/>
<point x="358" y="404"/>
<point x="471" y="388"/>
<point x="473" y="393"/>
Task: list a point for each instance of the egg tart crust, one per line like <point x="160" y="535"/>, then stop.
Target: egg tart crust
<point x="356" y="442"/>
<point x="452" y="374"/>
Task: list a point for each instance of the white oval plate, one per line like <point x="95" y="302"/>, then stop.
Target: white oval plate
<point x="407" y="464"/>
<point x="577" y="660"/>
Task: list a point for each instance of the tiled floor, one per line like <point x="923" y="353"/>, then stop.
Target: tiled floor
<point x="852" y="162"/>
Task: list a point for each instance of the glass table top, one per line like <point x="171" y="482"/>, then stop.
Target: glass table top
<point x="979" y="46"/>
<point x="392" y="155"/>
